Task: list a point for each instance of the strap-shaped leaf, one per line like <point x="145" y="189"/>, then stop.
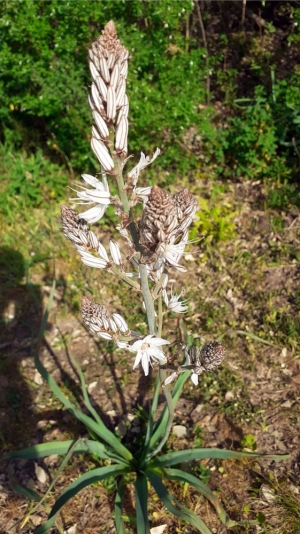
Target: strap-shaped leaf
<point x="141" y="499"/>
<point x="119" y="521"/>
<point x="62" y="447"/>
<point x="177" y="457"/>
<point x="41" y="501"/>
<point x="182" y="476"/>
<point x="27" y="492"/>
<point x="84" y="390"/>
<point x="160" y="425"/>
<point x="174" y="506"/>
<point x="152" y="416"/>
<point x="80" y="483"/>
<point x="97" y="427"/>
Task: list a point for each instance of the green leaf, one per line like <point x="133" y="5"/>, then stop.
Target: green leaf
<point x="182" y="476"/>
<point x="62" y="447"/>
<point x="60" y="469"/>
<point x="174" y="506"/>
<point x="97" y="427"/>
<point x="119" y="521"/>
<point x="152" y="416"/>
<point x="84" y="391"/>
<point x="248" y="334"/>
<point x="26" y="492"/>
<point x="85" y="480"/>
<point x="141" y="499"/>
<point x="188" y="455"/>
<point x="160" y="425"/>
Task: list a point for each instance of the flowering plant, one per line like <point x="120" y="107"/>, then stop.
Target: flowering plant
<point x="154" y="245"/>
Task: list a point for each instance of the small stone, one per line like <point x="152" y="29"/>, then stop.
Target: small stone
<point x="40" y="473"/>
<point x="281" y="446"/>
<point x="71" y="530"/>
<point x="212" y="444"/>
<point x="35" y="520"/>
<point x="92" y="386"/>
<point x="284" y="352"/>
<point x="38" y="378"/>
<point x="130" y="417"/>
<point x="122" y="429"/>
<point x="229" y="396"/>
<point x="111" y="413"/>
<point x="267" y="494"/>
<point x="205" y="421"/>
<point x="41" y="424"/>
<point x="179" y="431"/>
<point x="76" y="333"/>
<point x="189" y="257"/>
<point x="52" y="460"/>
<point x="86" y="362"/>
<point x="215" y="419"/>
<point x="158" y="530"/>
<point x="287" y="404"/>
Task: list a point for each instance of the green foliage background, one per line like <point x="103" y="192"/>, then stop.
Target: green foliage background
<point x="244" y="123"/>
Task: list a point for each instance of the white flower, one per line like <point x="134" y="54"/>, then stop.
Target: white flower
<point x="195" y="378"/>
<point x="147" y="349"/>
<point x="170" y="379"/>
<point x="115" y="252"/>
<point x="173" y="303"/>
<point x="171" y="253"/>
<point x="142" y="193"/>
<point x="92" y="261"/>
<point x="99" y="195"/>
<point x="142" y="164"/>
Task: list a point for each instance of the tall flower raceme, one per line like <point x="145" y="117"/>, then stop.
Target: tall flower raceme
<point x="156" y="242"/>
<point x="149" y="248"/>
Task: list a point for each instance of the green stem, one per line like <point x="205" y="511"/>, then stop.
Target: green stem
<point x="162" y="377"/>
<point x="135" y="285"/>
<point x="160" y="316"/>
<point x="170" y="404"/>
<point x="147" y="299"/>
<point x="159" y="284"/>
<point x="125" y="202"/>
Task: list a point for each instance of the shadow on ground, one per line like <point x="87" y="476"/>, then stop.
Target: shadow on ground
<point x="20" y="318"/>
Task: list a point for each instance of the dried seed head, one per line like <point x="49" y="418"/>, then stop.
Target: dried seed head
<point x="163" y="227"/>
<point x="186" y="203"/>
<point x="211" y="355"/>
<point x="158" y="219"/>
<point x="100" y="322"/>
<point x="76" y="229"/>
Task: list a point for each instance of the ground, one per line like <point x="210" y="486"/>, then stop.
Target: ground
<point x="243" y="289"/>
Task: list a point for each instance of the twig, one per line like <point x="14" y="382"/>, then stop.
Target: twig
<point x="187" y="33"/>
<point x="295" y="147"/>
<point x="206" y="52"/>
<point x="243" y="13"/>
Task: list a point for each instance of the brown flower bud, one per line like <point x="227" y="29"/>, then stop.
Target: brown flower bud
<point x="76" y="229"/>
<point x="211" y="355"/>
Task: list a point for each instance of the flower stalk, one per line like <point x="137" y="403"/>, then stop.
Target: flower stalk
<point x="156" y="242"/>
